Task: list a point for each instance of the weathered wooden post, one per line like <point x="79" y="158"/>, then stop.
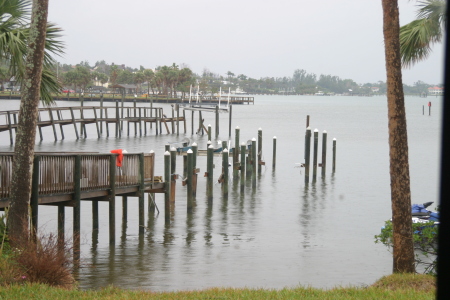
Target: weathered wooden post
<point x="173" y="164"/>
<point x="209" y="170"/>
<point x="334" y="155"/>
<point x="209" y="132"/>
<point x="194" y="168"/>
<point x="225" y="171"/>
<point x="151" y="196"/>
<point x="124" y="209"/>
<point x="167" y="147"/>
<point x="121" y="114"/>
<point x="167" y="187"/>
<point x="254" y="158"/>
<point x="192" y="122"/>
<point x="307" y="153"/>
<point x="112" y="199"/>
<point x="307" y="121"/>
<point x="118" y="132"/>
<point x="274" y="157"/>
<point x="190" y="173"/>
<point x="200" y="122"/>
<point x="259" y="150"/>
<point x="324" y="152"/>
<point x="141" y="193"/>
<point x="242" y="166"/>
<point x="77" y="208"/>
<point x="177" y="106"/>
<point x="217" y="121"/>
<point x="236" y="153"/>
<point x="34" y="203"/>
<point x="224" y="145"/>
<point x="229" y="119"/>
<point x="316" y="149"/>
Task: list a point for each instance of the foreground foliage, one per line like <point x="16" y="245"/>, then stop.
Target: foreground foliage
<point x="425" y="237"/>
<point x="398" y="286"/>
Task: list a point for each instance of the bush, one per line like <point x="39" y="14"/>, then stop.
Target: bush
<point x="425" y="237"/>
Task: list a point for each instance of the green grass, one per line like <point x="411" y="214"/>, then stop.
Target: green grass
<point x="398" y="286"/>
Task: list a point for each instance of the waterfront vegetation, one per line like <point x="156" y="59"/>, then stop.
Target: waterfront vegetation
<point x="397" y="286"/>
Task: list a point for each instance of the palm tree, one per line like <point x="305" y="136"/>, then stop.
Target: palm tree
<point x="403" y="252"/>
<point x="14" y="38"/>
<point x="417" y="37"/>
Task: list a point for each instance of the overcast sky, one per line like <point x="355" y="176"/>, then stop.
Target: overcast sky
<point x="256" y="38"/>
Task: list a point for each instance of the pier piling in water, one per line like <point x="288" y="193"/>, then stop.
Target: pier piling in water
<point x="242" y="165"/>
<point x="236" y="153"/>
<point x="324" y="153"/>
<point x="225" y="171"/>
<point x="167" y="187"/>
<point x="274" y="158"/>
<point x="190" y="173"/>
<point x="173" y="182"/>
<point x="307" y="153"/>
<point x="316" y="149"/>
<point x="334" y="155"/>
<point x="259" y="150"/>
<point x="209" y="170"/>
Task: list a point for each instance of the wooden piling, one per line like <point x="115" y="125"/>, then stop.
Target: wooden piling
<point x="194" y="175"/>
<point x="316" y="149"/>
<point x="254" y="158"/>
<point x="124" y="209"/>
<point x="167" y="187"/>
<point x="141" y="194"/>
<point x="77" y="208"/>
<point x="190" y="173"/>
<point x="236" y="153"/>
<point x="242" y="164"/>
<point x="209" y="170"/>
<point x="259" y="150"/>
<point x="307" y="153"/>
<point x="307" y="121"/>
<point x="225" y="171"/>
<point x="274" y="151"/>
<point x="334" y="155"/>
<point x="217" y="121"/>
<point x="112" y="199"/>
<point x="229" y="119"/>
<point x="95" y="216"/>
<point x="173" y="163"/>
<point x="209" y="132"/>
<point x="61" y="225"/>
<point x="324" y="153"/>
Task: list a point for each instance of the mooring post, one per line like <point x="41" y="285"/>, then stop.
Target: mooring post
<point x="112" y="199"/>
<point x="307" y="121"/>
<point x="316" y="149"/>
<point x="274" y="157"/>
<point x="192" y="122"/>
<point x="209" y="170"/>
<point x="141" y="193"/>
<point x="177" y="106"/>
<point x="236" y="153"/>
<point x="190" y="173"/>
<point x="151" y="196"/>
<point x="209" y="132"/>
<point x="225" y="171"/>
<point x="124" y="209"/>
<point x="242" y="166"/>
<point x="259" y="150"/>
<point x="173" y="118"/>
<point x="134" y="116"/>
<point x="200" y="123"/>
<point x="173" y="164"/>
<point x="167" y="147"/>
<point x="324" y="152"/>
<point x="167" y="187"/>
<point x="121" y="114"/>
<point x="254" y="158"/>
<point x="307" y="153"/>
<point x="194" y="175"/>
<point x="61" y="225"/>
<point x="118" y="133"/>
<point x="76" y="208"/>
<point x="334" y="155"/>
<point x="94" y="215"/>
<point x="101" y="113"/>
<point x="229" y="119"/>
<point x="217" y="121"/>
<point x="224" y="145"/>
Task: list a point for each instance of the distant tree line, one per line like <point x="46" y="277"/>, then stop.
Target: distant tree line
<point x="176" y="81"/>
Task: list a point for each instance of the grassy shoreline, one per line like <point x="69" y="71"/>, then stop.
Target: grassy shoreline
<point x="396" y="286"/>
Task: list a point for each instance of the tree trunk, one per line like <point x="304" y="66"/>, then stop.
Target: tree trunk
<point x="26" y="128"/>
<point x="403" y="253"/>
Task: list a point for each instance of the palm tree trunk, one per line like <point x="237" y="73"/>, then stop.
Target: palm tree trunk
<point x="403" y="252"/>
<point x="26" y="130"/>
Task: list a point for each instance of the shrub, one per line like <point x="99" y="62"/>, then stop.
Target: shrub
<point x="425" y="244"/>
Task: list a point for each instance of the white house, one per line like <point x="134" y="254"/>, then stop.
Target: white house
<point x="434" y="91"/>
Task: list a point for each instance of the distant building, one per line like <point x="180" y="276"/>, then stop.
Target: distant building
<point x="375" y="89"/>
<point x="434" y="91"/>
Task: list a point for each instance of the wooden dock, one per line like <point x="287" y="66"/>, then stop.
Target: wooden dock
<point x="101" y="116"/>
<point x="64" y="179"/>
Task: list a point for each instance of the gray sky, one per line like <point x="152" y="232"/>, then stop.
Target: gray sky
<point x="256" y="38"/>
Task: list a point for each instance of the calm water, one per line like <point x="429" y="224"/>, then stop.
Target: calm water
<point x="282" y="233"/>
